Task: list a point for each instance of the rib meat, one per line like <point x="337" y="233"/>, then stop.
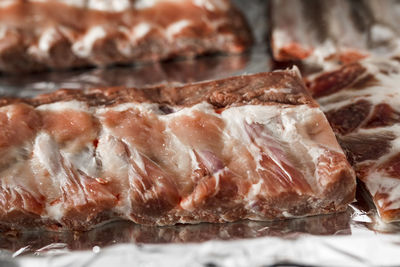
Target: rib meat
<point x="361" y="102"/>
<point x="40" y="34"/>
<point x="249" y="147"/>
<point x="329" y="32"/>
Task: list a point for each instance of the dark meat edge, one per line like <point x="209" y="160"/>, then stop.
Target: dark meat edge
<point x="233" y="91"/>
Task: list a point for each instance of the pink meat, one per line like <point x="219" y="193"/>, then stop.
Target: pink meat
<point x="54" y="34"/>
<point x="248" y="147"/>
<point x="361" y="102"/>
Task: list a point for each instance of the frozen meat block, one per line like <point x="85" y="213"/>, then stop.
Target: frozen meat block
<point x="40" y="34"/>
<point x="362" y="103"/>
<point x="248" y="147"/>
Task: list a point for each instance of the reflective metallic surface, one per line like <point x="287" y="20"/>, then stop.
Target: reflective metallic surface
<point x="354" y="238"/>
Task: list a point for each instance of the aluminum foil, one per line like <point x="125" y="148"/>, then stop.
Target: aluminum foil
<point x="355" y="237"/>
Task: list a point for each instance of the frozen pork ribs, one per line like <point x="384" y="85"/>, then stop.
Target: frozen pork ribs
<point x="335" y="31"/>
<point x="249" y="147"/>
<point x="362" y="104"/>
<point x="58" y="34"/>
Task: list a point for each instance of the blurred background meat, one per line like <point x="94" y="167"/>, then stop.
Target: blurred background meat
<point x="55" y="34"/>
<point x="325" y="33"/>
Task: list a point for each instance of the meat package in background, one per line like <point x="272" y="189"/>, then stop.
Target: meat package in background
<point x="327" y="33"/>
<point x="57" y="34"/>
<point x="362" y="104"/>
<point x="249" y="147"/>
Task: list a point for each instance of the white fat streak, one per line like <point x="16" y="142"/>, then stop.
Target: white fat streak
<point x="139" y="31"/>
<point x="6" y="3"/>
<point x="55" y="211"/>
<point x="323" y="51"/>
<point x="101" y="5"/>
<point x="176" y="27"/>
<point x="83" y="47"/>
<point x="212" y="5"/>
<point x="125" y="46"/>
<point x="145" y="4"/>
<point x="84" y="160"/>
<point x="76" y="3"/>
<point x="137" y="158"/>
<point x="44" y="151"/>
<point x="109" y="5"/>
<point x="281" y="38"/>
<point x="46" y="39"/>
<point x="3" y="31"/>
<point x="141" y="107"/>
<point x="281" y="90"/>
<point x="184" y="157"/>
<point x="111" y="161"/>
<point x="133" y="175"/>
<point x="115" y="162"/>
<point x="255" y="190"/>
<point x="380" y="33"/>
<point x="153" y="108"/>
<point x="393" y="129"/>
<point x="65" y="105"/>
<point x="287" y="214"/>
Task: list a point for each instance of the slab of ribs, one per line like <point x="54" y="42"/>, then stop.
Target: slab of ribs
<point x="249" y="147"/>
<point x="37" y="35"/>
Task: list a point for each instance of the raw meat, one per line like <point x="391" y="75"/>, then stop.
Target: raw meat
<point x="249" y="147"/>
<point x="40" y="34"/>
<point x="325" y="33"/>
<point x="362" y="104"/>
